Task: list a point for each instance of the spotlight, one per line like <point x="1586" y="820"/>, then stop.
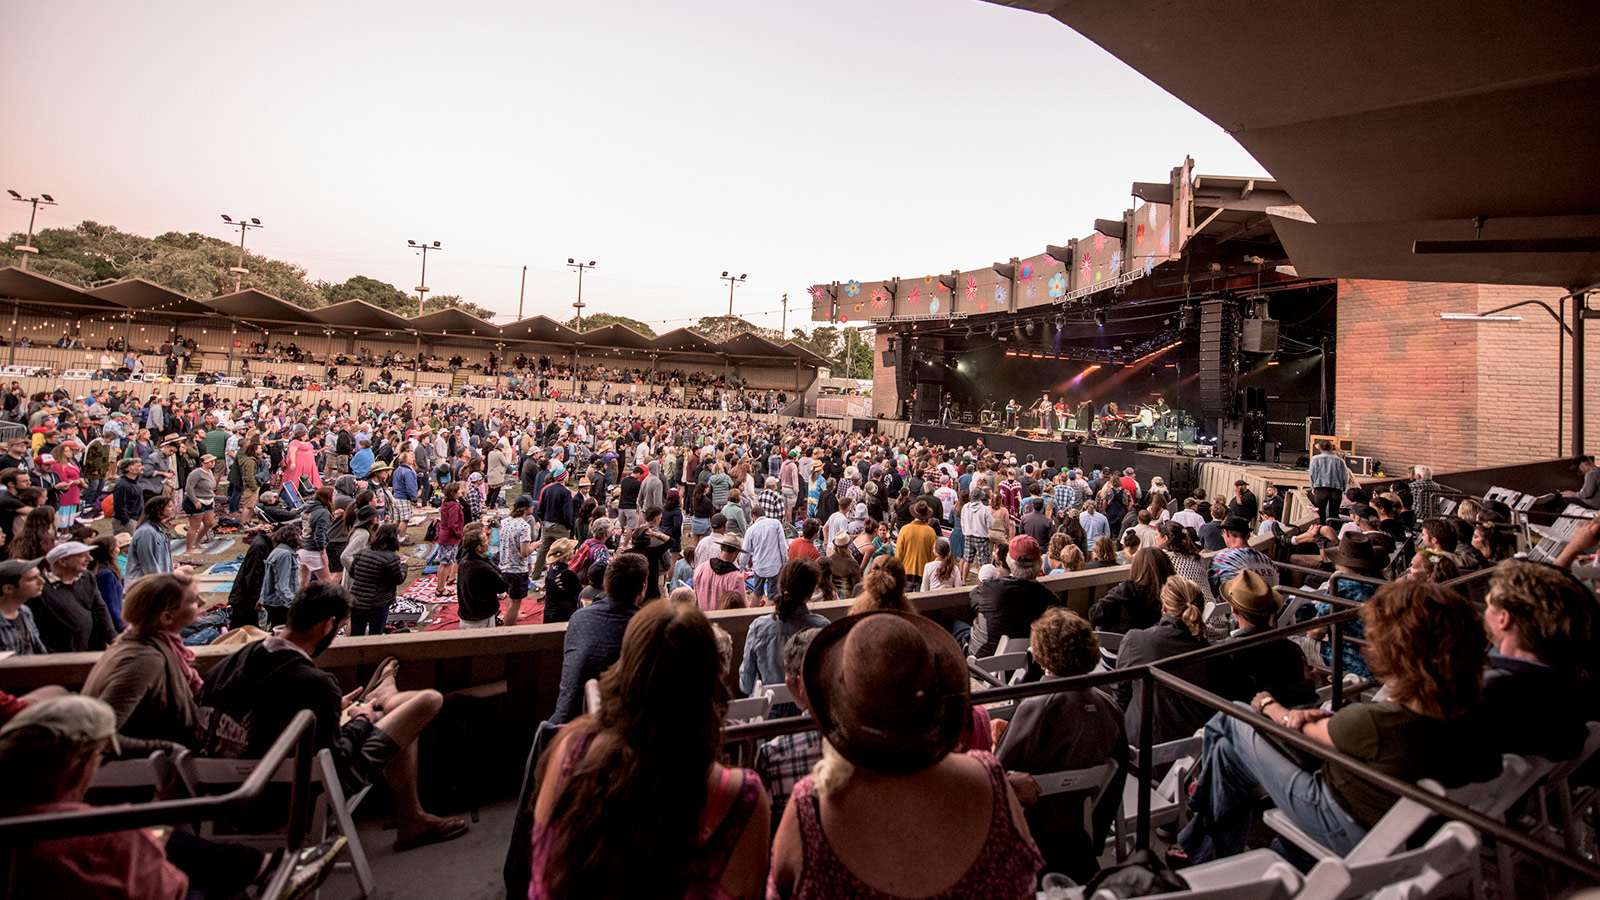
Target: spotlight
<point x="1100" y="318"/>
<point x="969" y="332"/>
<point x="994" y="329"/>
<point x="1061" y="321"/>
<point x="1030" y="328"/>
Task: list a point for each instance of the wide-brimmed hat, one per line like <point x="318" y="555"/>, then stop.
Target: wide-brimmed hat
<point x="888" y="690"/>
<point x="1357" y="551"/>
<point x="379" y="466"/>
<point x="731" y="541"/>
<point x="1236" y="524"/>
<point x="1249" y="593"/>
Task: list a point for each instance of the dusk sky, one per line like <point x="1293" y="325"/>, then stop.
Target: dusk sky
<point x="797" y="142"/>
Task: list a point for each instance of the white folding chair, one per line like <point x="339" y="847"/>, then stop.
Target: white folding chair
<point x="749" y="709"/>
<point x="1005" y="667"/>
<point x="1169" y="798"/>
<point x="1568" y="808"/>
<point x="1255" y="875"/>
<point x="77" y="375"/>
<point x="591" y="696"/>
<point x="1434" y="870"/>
<point x="332" y="810"/>
<point x="779" y="692"/>
<point x="153" y="772"/>
<point x="1092" y="782"/>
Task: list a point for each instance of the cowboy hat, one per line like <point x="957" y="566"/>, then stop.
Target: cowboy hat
<point x="1357" y="551"/>
<point x="1249" y="593"/>
<point x="888" y="690"/>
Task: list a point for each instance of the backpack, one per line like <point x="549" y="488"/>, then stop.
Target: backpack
<point x="432" y="534"/>
<point x="582" y="560"/>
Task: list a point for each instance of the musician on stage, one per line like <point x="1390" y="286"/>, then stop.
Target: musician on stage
<point x="1163" y="411"/>
<point x="1044" y="409"/>
<point x="1063" y="409"/>
<point x="1012" y="408"/>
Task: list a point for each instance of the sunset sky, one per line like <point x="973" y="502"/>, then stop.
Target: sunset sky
<point x="798" y="142"/>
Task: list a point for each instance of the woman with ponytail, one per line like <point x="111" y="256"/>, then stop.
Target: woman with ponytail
<point x="632" y="802"/>
<point x="1181" y="629"/>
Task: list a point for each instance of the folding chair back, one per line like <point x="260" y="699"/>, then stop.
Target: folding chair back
<point x="152" y="772"/>
<point x="749" y="709"/>
<point x="1091" y="781"/>
<point x="1278" y="882"/>
<point x="591" y="696"/>
<point x="333" y="810"/>
<point x="1003" y="666"/>
<point x="780" y="692"/>
<point x="1410" y="874"/>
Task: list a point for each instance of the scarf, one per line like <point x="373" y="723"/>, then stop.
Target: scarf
<point x="185" y="659"/>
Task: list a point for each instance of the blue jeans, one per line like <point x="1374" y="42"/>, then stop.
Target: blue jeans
<point x="1234" y="760"/>
<point x="766" y="586"/>
<point x="370" y="622"/>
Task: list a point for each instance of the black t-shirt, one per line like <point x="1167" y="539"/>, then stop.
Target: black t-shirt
<point x="1009" y="607"/>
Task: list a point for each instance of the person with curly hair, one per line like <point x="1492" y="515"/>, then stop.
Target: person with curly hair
<point x="1427" y="644"/>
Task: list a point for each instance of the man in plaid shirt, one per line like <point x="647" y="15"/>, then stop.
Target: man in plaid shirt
<point x="771" y="500"/>
<point x="1064" y="495"/>
<point x="784" y="760"/>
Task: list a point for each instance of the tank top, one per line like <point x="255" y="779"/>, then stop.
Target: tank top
<point x="1005" y="868"/>
<point x="728" y="810"/>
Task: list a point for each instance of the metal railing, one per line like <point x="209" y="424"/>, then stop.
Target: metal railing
<point x="1151" y="676"/>
<point x="298" y="737"/>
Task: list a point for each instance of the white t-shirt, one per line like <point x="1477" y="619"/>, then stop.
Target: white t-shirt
<point x="930" y="577"/>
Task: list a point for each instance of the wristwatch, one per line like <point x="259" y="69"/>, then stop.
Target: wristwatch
<point x="1262" y="706"/>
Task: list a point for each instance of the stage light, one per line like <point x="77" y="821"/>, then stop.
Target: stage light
<point x="994" y="329"/>
<point x="969" y="332"/>
<point x="1030" y="328"/>
<point x="1061" y="321"/>
<point x="1100" y="318"/>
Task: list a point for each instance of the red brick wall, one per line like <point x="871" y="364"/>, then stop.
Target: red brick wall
<point x="1454" y="395"/>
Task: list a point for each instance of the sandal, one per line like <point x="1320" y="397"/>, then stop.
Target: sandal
<point x="443" y="830"/>
<point x="389" y="664"/>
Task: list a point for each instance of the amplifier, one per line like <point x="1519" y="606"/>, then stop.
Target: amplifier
<point x="1361" y="465"/>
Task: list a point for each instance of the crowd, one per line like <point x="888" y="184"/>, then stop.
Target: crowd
<point x="630" y="526"/>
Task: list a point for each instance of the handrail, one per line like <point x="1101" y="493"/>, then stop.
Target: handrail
<point x="297" y="736"/>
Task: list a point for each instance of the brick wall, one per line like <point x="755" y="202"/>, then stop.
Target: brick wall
<point x="1454" y="395"/>
<point x="885" y="397"/>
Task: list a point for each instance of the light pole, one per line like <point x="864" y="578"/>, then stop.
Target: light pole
<point x="731" y="280"/>
<point x="244" y="225"/>
<point x="422" y="289"/>
<point x="41" y="200"/>
<point x="580" y="266"/>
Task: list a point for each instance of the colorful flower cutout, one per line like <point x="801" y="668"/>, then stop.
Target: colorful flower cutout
<point x="1087" y="266"/>
<point x="1116" y="260"/>
<point x="915" y="297"/>
<point x="1031" y="292"/>
<point x="853" y="288"/>
<point x="819" y="293"/>
<point x="999" y="293"/>
<point x="1058" y="285"/>
<point x="1138" y="235"/>
<point x="880" y="298"/>
<point x="1166" y="238"/>
<point x="1027" y="271"/>
<point x="843" y="319"/>
<point x="972" y="287"/>
<point x="1150" y="213"/>
<point x="982" y="306"/>
<point x="927" y="279"/>
<point x="1099" y="241"/>
<point x="858" y="307"/>
<point x="933" y="305"/>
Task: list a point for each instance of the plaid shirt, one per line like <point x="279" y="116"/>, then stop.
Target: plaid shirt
<point x="1425" y="498"/>
<point x="1064" y="497"/>
<point x="783" y="761"/>
<point x="21" y="637"/>
<point x="771" y="503"/>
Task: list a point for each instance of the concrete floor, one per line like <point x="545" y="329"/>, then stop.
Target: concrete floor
<point x="467" y="868"/>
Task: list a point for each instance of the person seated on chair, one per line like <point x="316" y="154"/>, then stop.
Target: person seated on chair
<point x="787" y="758"/>
<point x="1427" y="643"/>
<point x="1538" y="688"/>
<point x="1279" y="668"/>
<point x="1062" y="731"/>
<point x="1007" y="606"/>
<point x="147" y="675"/>
<point x="249" y="698"/>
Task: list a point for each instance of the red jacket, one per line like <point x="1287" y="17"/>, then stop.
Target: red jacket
<point x="452" y="521"/>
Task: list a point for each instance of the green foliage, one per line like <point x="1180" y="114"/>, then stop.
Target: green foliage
<point x="604" y="320"/>
<point x="856" y="361"/>
<point x="378" y="293"/>
<point x="446" y="301"/>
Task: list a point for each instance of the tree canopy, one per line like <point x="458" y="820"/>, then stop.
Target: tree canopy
<point x="446" y="301"/>
<point x="605" y="320"/>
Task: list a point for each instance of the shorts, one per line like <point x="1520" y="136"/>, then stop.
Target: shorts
<point x="447" y="554"/>
<point x="481" y="623"/>
<point x="400" y="511"/>
<point x="699" y="527"/>
<point x="249" y="499"/>
<point x="196" y="509"/>
<point x="364" y="765"/>
<point x="977" y="549"/>
<point x="315" y="560"/>
<point x="517" y="584"/>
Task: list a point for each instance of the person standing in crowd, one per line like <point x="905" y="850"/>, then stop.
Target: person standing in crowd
<point x="561" y="587"/>
<point x="199" y="503"/>
<point x="516" y="554"/>
<point x="69" y="613"/>
<point x="1329" y="478"/>
<point x="127" y="498"/>
<point x="481" y="584"/>
<point x="374" y="574"/>
<point x="282" y="576"/>
<point x="151" y="548"/>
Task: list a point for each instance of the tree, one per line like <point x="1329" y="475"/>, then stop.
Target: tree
<point x="446" y="301"/>
<point x="855" y="357"/>
<point x="379" y="293"/>
<point x="604" y="320"/>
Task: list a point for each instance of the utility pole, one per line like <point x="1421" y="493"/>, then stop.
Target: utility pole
<point x="27" y="248"/>
<point x="783" y="329"/>
<point x="731" y="280"/>
<point x="521" y="292"/>
<point x="244" y="225"/>
<point x="422" y="289"/>
<point x="580" y="266"/>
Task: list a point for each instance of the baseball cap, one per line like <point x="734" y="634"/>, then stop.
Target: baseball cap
<point x="66" y="548"/>
<point x="1023" y="547"/>
<point x="13" y="569"/>
<point x="71" y="721"/>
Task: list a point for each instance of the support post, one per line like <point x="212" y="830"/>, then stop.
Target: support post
<point x="1580" y="309"/>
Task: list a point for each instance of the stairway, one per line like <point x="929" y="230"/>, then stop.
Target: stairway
<point x="195" y="364"/>
<point x="458" y="381"/>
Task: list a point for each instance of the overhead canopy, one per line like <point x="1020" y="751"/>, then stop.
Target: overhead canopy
<point x="361" y="316"/>
<point x="1409" y="120"/>
<point x="148" y="297"/>
<point x="618" y="335"/>
<point x="539" y="328"/>
<point x="29" y="288"/>
<point x="261" y="308"/>
<point x="455" y="322"/>
<point x="684" y="340"/>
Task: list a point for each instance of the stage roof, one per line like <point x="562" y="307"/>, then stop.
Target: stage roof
<point x="1393" y="123"/>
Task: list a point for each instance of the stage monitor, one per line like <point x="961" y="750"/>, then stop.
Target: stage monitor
<point x="890" y="359"/>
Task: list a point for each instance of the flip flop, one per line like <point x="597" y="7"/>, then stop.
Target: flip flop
<point x="388" y="665"/>
<point x="444" y="830"/>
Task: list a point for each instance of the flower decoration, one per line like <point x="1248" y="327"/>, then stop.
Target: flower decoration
<point x="1138" y="235"/>
<point x="843" y="319"/>
<point x="1149" y="264"/>
<point x="853" y="288"/>
<point x="999" y="293"/>
<point x="933" y="305"/>
<point x="1099" y="242"/>
<point x="982" y="306"/>
<point x="915" y="297"/>
<point x="1150" y="213"/>
<point x="880" y="297"/>
<point x="1116" y="260"/>
<point x="972" y="287"/>
<point x="1166" y="238"/>
<point x="1027" y="271"/>
<point x="1087" y="266"/>
<point x="819" y="293"/>
<point x="927" y="279"/>
<point x="1031" y="292"/>
<point x="1058" y="286"/>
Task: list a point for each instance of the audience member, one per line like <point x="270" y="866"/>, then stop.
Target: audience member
<point x="147" y="675"/>
<point x="1136" y="602"/>
<point x="594" y="634"/>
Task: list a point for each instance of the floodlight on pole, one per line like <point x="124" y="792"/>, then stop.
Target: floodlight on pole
<point x="244" y="225"/>
<point x="36" y="202"/>
<point x="731" y="280"/>
<point x="423" y="247"/>
<point x="580" y="266"/>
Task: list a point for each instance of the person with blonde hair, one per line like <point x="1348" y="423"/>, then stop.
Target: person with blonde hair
<point x="884" y="588"/>
<point x="147" y="675"/>
<point x="1181" y="629"/>
<point x="561" y="586"/>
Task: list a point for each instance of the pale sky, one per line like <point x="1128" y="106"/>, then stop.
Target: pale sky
<point x="796" y="142"/>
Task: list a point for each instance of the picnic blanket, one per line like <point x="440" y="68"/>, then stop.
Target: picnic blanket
<point x="447" y="617"/>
